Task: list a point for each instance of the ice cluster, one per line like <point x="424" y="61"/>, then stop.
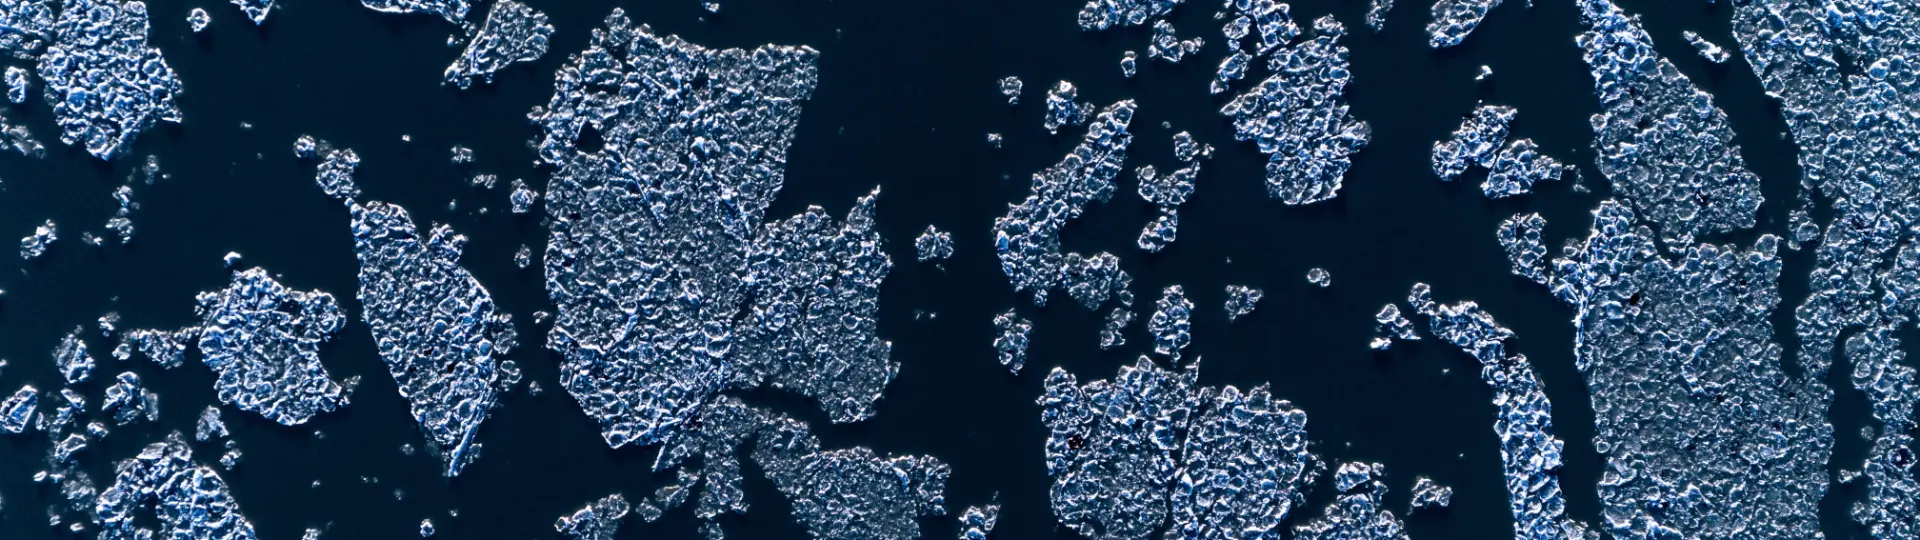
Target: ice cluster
<point x="209" y="427"/>
<point x="1475" y="142"/>
<point x="128" y="401"/>
<point x="70" y="356"/>
<point x="255" y="9"/>
<point x="34" y="245"/>
<point x="454" y="11"/>
<point x="166" y="348"/>
<point x="1171" y="324"/>
<point x="522" y="197"/>
<point x="1011" y="343"/>
<point x="513" y="33"/>
<point x="1129" y="64"/>
<point x="186" y="500"/>
<point x="977" y="522"/>
<point x="17" y="84"/>
<point x="670" y="288"/>
<point x="1010" y="88"/>
<point x="1319" y="277"/>
<point x="1526" y="251"/>
<point x="1296" y="116"/>
<point x="1661" y="141"/>
<point x="1529" y="449"/>
<point x="18" y="413"/>
<point x="1358" y="513"/>
<point x="28" y="26"/>
<point x="105" y="83"/>
<point x="1681" y="368"/>
<point x="844" y="493"/>
<point x="1062" y="110"/>
<point x="263" y="340"/>
<point x="1713" y="53"/>
<point x="1169" y="47"/>
<point x="1453" y="20"/>
<point x="1027" y="239"/>
<point x="1428" y="494"/>
<point x="933" y="245"/>
<point x="1517" y="168"/>
<point x="1150" y="449"/>
<point x="1388" y="325"/>
<point x="597" y="521"/>
<point x="1104" y="14"/>
<point x="1241" y="300"/>
<point x="1377" y="14"/>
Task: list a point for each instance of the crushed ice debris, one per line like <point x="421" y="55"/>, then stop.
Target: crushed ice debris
<point x="18" y="413"/>
<point x="1485" y="72"/>
<point x="256" y="10"/>
<point x="1518" y="166"/>
<point x="35" y="245"/>
<point x="1171" y="323"/>
<point x="335" y="174"/>
<point x="1104" y="14"/>
<point x="1713" y="53"/>
<point x="1687" y="346"/>
<point x="198" y="19"/>
<point x="1232" y="68"/>
<point x="127" y="401"/>
<point x="1475" y="142"/>
<point x="1111" y="327"/>
<point x="522" y="197"/>
<point x="1062" y="110"/>
<point x="166" y="348"/>
<point x="1427" y="494"/>
<point x="1526" y="251"/>
<point x="186" y="500"/>
<point x="524" y="257"/>
<point x="1319" y="276"/>
<point x="1160" y="232"/>
<point x="105" y="83"/>
<point x="934" y="244"/>
<point x="460" y="155"/>
<point x="1661" y="141"/>
<point x="1296" y="116"/>
<point x="711" y="6"/>
<point x="1377" y="14"/>
<point x="262" y="340"/>
<point x="17" y="138"/>
<point x="1027" y="239"/>
<point x="1186" y="149"/>
<point x="597" y="521"/>
<point x="1241" y="300"/>
<point x="1010" y="88"/>
<point x="454" y="11"/>
<point x="426" y="528"/>
<point x="1129" y="64"/>
<point x="1129" y="455"/>
<point x="513" y="33"/>
<point x="995" y="139"/>
<point x="1358" y="513"/>
<point x="846" y="493"/>
<point x="1453" y="20"/>
<point x="1165" y="190"/>
<point x="17" y="84"/>
<point x="209" y="427"/>
<point x="71" y="357"/>
<point x="1389" y="325"/>
<point x="1166" y="46"/>
<point x="977" y="522"/>
<point x="1011" y="344"/>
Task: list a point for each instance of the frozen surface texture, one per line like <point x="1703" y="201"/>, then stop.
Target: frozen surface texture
<point x="513" y="33"/>
<point x="1453" y="20"/>
<point x="1104" y="14"/>
<point x="262" y="340"/>
<point x="186" y="500"/>
<point x="1358" y="512"/>
<point x="1526" y="251"/>
<point x="1476" y="142"/>
<point x="454" y="11"/>
<point x="1027" y="239"/>
<point x="1297" y="117"/>
<point x="26" y="26"/>
<point x="1011" y="344"/>
<point x="105" y="83"/>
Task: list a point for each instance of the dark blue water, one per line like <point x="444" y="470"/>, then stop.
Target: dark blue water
<point x="905" y="99"/>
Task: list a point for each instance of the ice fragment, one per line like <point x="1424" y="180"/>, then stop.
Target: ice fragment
<point x="1011" y="345"/>
<point x="513" y="33"/>
<point x="1296" y="117"/>
<point x="262" y="340"/>
<point x="105" y="83"/>
<point x="934" y="244"/>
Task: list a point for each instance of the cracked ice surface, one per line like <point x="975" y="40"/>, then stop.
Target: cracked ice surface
<point x="1679" y="361"/>
<point x="1453" y="20"/>
<point x="1529" y="450"/>
<point x="1526" y="251"/>
<point x="26" y="26"/>
<point x="1027" y="239"/>
<point x="105" y="83"/>
<point x="435" y="325"/>
<point x="513" y="33"/>
<point x="188" y="500"/>
<point x="453" y="11"/>
<point x="1358" y="513"/>
<point x="650" y="235"/>
<point x="1297" y="119"/>
<point x="1475" y="142"/>
<point x="1104" y="14"/>
<point x="597" y="521"/>
<point x="263" y="340"/>
<point x="1661" y="141"/>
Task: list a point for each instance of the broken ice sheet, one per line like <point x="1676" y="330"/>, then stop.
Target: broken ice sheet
<point x="186" y="500"/>
<point x="1389" y="325"/>
<point x="1027" y="238"/>
<point x="1011" y="344"/>
<point x="1160" y="233"/>
<point x="453" y="11"/>
<point x="1297" y="119"/>
<point x="105" y="84"/>
<point x="166" y="348"/>
<point x="1062" y="110"/>
<point x="18" y="411"/>
<point x="1517" y="168"/>
<point x="1475" y="142"/>
<point x="1166" y="46"/>
<point x="934" y="244"/>
<point x="513" y="33"/>
<point x="1453" y="20"/>
<point x="262" y="339"/>
<point x="1520" y="237"/>
<point x="598" y="521"/>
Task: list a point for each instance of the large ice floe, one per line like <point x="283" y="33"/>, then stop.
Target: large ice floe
<point x="513" y="33"/>
<point x="437" y="328"/>
<point x="1150" y="450"/>
<point x="1296" y="116"/>
<point x="106" y="84"/>
<point x="185" y="499"/>
<point x="262" y="340"/>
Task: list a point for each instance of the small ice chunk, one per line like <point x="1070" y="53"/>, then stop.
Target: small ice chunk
<point x="1377" y="14"/>
<point x="1129" y="63"/>
<point x="335" y="174"/>
<point x="513" y="33"/>
<point x="35" y="245"/>
<point x="262" y="340"/>
<point x="597" y="521"/>
<point x="1171" y="323"/>
<point x="1713" y="53"/>
<point x="934" y="244"/>
<point x="1110" y="330"/>
<point x="17" y="84"/>
<point x="1319" y="276"/>
<point x="1062" y="110"/>
<point x="1241" y="300"/>
<point x="454" y="11"/>
<point x="522" y="197"/>
<point x="306" y="147"/>
<point x="197" y="20"/>
<point x="524" y="257"/>
<point x="127" y="400"/>
<point x="976" y="523"/>
<point x="18" y="412"/>
<point x="460" y="155"/>
<point x="1167" y="46"/>
<point x="1428" y="494"/>
<point x="209" y="427"/>
<point x="426" y="528"/>
<point x="71" y="357"/>
<point x="1011" y="345"/>
<point x="994" y="139"/>
<point x="1010" y="87"/>
<point x="256" y="10"/>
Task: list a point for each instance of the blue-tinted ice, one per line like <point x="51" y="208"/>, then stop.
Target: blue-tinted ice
<point x="513" y="33"/>
<point x="1296" y="116"/>
<point x="262" y="340"/>
<point x="186" y="500"/>
<point x="105" y="83"/>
